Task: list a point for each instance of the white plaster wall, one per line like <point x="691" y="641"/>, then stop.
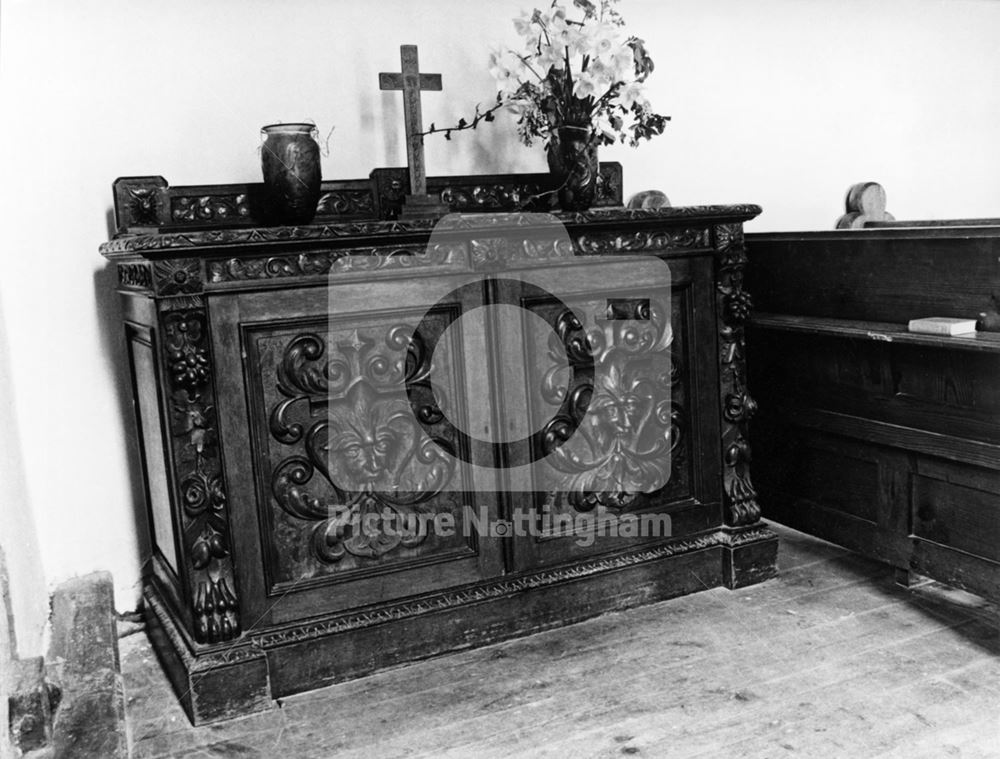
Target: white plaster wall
<point x="780" y="102"/>
<point x="22" y="574"/>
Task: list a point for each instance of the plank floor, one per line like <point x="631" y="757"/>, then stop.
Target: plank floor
<point x="831" y="659"/>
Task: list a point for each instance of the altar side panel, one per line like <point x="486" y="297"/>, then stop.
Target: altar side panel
<point x="148" y="417"/>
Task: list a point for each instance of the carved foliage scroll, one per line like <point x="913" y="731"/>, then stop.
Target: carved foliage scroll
<point x="648" y="241"/>
<point x="203" y="209"/>
<point x="198" y="472"/>
<point x="362" y="471"/>
<point x="330" y="262"/>
<point x="733" y="308"/>
<point x="623" y="429"/>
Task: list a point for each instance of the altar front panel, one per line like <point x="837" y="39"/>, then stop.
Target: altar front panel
<point x="335" y="444"/>
<point x="626" y="475"/>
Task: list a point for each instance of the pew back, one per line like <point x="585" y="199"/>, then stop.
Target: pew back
<point x="869" y="436"/>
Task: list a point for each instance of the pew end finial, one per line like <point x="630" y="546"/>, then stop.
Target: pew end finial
<point x="865" y="202"/>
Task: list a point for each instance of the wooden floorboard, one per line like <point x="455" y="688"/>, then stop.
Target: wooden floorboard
<point x="830" y="659"/>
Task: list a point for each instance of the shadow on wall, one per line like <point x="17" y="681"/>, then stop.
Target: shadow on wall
<point x="115" y="354"/>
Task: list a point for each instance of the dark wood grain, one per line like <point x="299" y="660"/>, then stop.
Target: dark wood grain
<point x="883" y="275"/>
<point x="271" y="360"/>
<point x="842" y="381"/>
<point x="884" y="332"/>
<point x="150" y="204"/>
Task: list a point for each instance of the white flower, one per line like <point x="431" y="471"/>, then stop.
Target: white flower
<point x="523" y="25"/>
<point x="584" y="86"/>
<point x="602" y="39"/>
<point x="622" y="63"/>
<point x="507" y="69"/>
<point x="605" y="128"/>
<point x="600" y="75"/>
<point x="558" y="47"/>
<point x="564" y="34"/>
<point x="552" y="57"/>
<point x="629" y="94"/>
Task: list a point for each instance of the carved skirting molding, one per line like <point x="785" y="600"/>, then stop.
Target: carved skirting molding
<point x="499" y="588"/>
<point x="199" y="483"/>
<point x="205" y="660"/>
<point x="255" y="643"/>
<point x="734" y="305"/>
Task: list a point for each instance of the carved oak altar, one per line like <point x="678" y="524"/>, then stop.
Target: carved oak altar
<point x="267" y="364"/>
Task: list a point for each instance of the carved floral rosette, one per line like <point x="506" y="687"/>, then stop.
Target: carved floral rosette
<point x="733" y="306"/>
<point x="198" y="474"/>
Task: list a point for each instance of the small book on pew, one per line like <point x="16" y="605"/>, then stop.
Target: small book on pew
<point x="942" y="325"/>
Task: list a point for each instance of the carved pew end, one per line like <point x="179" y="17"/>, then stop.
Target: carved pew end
<point x="865" y="202"/>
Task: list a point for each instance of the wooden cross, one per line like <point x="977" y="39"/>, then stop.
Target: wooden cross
<point x="411" y="82"/>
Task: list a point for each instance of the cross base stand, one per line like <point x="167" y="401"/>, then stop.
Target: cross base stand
<point x="423" y="207"/>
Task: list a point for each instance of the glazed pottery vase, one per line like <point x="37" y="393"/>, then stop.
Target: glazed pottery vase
<point x="572" y="157"/>
<point x="291" y="163"/>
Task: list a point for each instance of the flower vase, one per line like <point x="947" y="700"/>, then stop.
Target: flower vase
<point x="572" y="157"/>
<point x="290" y="160"/>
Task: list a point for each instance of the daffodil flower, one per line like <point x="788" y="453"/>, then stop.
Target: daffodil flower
<point x="576" y="67"/>
<point x="584" y="86"/>
<point x="629" y="94"/>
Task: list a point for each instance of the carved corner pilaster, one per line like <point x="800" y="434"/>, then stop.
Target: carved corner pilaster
<point x="733" y="306"/>
<point x="198" y="477"/>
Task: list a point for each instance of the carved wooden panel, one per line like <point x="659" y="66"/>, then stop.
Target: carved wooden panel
<point x="631" y="430"/>
<point x="199" y="479"/>
<point x="343" y="448"/>
<point x="733" y="308"/>
<point x="148" y="417"/>
<point x="598" y="371"/>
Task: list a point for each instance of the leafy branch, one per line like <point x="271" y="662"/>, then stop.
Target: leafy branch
<point x="463" y="124"/>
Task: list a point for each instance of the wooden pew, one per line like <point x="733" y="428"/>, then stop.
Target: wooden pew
<point x="869" y="436"/>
